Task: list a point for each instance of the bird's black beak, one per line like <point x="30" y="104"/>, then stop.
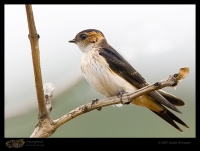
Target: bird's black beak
<point x="72" y="41"/>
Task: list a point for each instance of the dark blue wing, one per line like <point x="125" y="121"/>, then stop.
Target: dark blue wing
<point x="121" y="67"/>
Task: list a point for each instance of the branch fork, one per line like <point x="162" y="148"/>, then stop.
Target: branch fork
<point x="47" y="126"/>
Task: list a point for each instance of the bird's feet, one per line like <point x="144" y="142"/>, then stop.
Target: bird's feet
<point x="94" y="101"/>
<point x="120" y="94"/>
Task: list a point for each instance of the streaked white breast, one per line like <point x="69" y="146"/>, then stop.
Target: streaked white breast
<point x="97" y="72"/>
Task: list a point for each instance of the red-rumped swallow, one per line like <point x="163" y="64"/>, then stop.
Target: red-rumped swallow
<point x="110" y="74"/>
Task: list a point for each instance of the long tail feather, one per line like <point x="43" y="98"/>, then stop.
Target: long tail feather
<point x="171" y="98"/>
<point x="170" y="118"/>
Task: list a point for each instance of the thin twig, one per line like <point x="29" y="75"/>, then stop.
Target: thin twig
<point x="33" y="37"/>
<point x="47" y="127"/>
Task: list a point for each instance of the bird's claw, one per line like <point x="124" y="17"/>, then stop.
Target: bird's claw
<point x="120" y="94"/>
<point x="94" y="101"/>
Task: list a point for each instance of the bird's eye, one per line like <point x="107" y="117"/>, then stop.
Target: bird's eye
<point x="83" y="36"/>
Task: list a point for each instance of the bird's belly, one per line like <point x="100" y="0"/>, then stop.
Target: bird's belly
<point x="97" y="72"/>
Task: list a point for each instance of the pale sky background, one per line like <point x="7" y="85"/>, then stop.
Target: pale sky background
<point x="135" y="31"/>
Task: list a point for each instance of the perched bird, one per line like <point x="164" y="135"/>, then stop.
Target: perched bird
<point x="110" y="74"/>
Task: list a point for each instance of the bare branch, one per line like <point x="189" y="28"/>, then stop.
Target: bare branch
<point x="33" y="37"/>
<point x="47" y="127"/>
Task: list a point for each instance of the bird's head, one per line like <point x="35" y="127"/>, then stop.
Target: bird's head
<point x="87" y="39"/>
